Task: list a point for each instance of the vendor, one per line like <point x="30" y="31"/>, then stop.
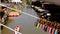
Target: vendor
<point x="2" y="12"/>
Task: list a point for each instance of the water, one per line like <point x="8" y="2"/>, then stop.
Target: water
<point x="26" y="22"/>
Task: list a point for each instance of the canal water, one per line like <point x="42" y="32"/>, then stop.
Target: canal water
<point x="26" y="22"/>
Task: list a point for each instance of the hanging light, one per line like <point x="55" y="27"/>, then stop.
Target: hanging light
<point x="32" y="5"/>
<point x="43" y="16"/>
<point x="48" y="14"/>
<point x="36" y="7"/>
<point x="16" y="1"/>
<point x="41" y="10"/>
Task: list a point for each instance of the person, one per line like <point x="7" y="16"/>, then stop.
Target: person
<point x="17" y="30"/>
<point x="2" y="13"/>
<point x="58" y="27"/>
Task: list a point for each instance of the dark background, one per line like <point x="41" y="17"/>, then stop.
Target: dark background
<point x="53" y="9"/>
